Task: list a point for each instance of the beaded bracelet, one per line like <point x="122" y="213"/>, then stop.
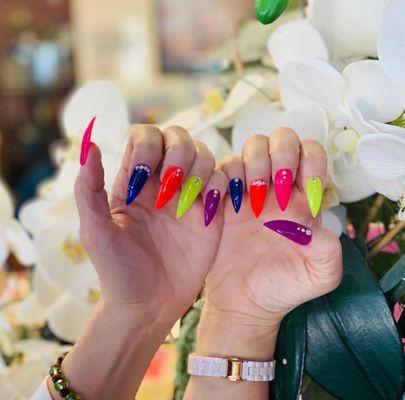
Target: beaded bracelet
<point x="60" y="383"/>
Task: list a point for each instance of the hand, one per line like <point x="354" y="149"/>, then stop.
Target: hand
<point x="258" y="275"/>
<point x="145" y="257"/>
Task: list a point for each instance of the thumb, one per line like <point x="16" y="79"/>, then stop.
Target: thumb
<point x="323" y="259"/>
<point x="91" y="197"/>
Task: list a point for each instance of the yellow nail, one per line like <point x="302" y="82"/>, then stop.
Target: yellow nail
<point x="314" y="194"/>
<point x="191" y="190"/>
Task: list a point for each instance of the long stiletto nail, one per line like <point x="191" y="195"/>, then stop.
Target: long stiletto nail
<point x="191" y="190"/>
<point x="291" y="230"/>
<point x="138" y="179"/>
<point x="211" y="205"/>
<point x="170" y="184"/>
<point x="86" y="142"/>
<point x="314" y="194"/>
<point x="236" y="192"/>
<point x="258" y="192"/>
<point x="283" y="184"/>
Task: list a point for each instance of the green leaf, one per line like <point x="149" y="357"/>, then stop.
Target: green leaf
<point x="290" y="355"/>
<point x="353" y="348"/>
<point x="394" y="276"/>
<point x="268" y="11"/>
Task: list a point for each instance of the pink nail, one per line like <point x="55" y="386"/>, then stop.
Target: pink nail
<point x="86" y="142"/>
<point x="283" y="185"/>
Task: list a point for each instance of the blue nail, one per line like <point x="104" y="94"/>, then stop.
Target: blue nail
<point x="236" y="192"/>
<point x="138" y="179"/>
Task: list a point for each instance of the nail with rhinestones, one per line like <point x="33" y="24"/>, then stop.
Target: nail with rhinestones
<point x="291" y="230"/>
<point x="211" y="205"/>
<point x="314" y="191"/>
<point x="171" y="182"/>
<point x="139" y="176"/>
<point x="283" y="184"/>
<point x="190" y="192"/>
<point x="236" y="192"/>
<point x="86" y="142"/>
<point x="258" y="193"/>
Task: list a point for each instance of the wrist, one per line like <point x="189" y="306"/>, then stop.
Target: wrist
<point x="233" y="334"/>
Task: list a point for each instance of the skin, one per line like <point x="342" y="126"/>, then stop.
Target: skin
<point x="152" y="266"/>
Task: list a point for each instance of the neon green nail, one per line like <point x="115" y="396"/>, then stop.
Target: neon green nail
<point x="191" y="190"/>
<point x="268" y="11"/>
<point x="314" y="194"/>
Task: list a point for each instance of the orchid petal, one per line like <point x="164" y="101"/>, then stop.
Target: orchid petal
<point x="309" y="122"/>
<point x="391" y="49"/>
<point x="101" y="100"/>
<point x="296" y="39"/>
<point x="311" y="81"/>
<point x="373" y="92"/>
<point x="256" y="117"/>
<point x="188" y="119"/>
<point x="29" y="311"/>
<point x="45" y="291"/>
<point x="382" y="156"/>
<point x="350" y="181"/>
<point x="392" y="189"/>
<point x="4" y="251"/>
<point x="62" y="259"/>
<point x="20" y="243"/>
<point x="350" y="28"/>
<point x="331" y="222"/>
<point x="68" y="317"/>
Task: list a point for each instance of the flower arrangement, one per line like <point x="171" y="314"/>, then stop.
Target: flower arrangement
<point x="332" y="78"/>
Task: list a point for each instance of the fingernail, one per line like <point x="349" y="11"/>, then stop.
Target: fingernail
<point x="236" y="192"/>
<point x="211" y="205"/>
<point x="191" y="190"/>
<point x="258" y="192"/>
<point x="86" y="142"/>
<point x="291" y="230"/>
<point x="283" y="184"/>
<point x="170" y="184"/>
<point x="314" y="194"/>
<point x="139" y="176"/>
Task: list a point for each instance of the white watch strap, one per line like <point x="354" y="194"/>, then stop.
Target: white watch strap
<point x="233" y="368"/>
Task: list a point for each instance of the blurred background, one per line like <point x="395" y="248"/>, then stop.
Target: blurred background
<point x="150" y="49"/>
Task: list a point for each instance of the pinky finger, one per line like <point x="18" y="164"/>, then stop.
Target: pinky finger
<point x="213" y="193"/>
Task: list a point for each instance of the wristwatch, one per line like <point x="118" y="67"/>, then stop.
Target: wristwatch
<point x="233" y="369"/>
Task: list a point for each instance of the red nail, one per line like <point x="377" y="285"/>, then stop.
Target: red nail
<point x="283" y="184"/>
<point x="170" y="184"/>
<point x="86" y="142"/>
<point x="258" y="192"/>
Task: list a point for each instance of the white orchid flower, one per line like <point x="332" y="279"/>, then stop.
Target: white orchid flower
<point x="13" y="238"/>
<point x="331" y="32"/>
<point x="391" y="48"/>
<point x="337" y="110"/>
<point x="382" y="156"/>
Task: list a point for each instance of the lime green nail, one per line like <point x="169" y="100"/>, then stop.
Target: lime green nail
<point x="268" y="11"/>
<point x="191" y="190"/>
<point x="314" y="194"/>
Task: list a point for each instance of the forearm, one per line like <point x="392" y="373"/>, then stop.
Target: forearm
<point x="111" y="356"/>
<point x="232" y="336"/>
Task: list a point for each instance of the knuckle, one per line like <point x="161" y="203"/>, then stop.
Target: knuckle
<point x="179" y="131"/>
<point x="182" y="151"/>
<point x="286" y="133"/>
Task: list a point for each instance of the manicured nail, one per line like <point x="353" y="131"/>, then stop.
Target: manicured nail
<point x="170" y="184"/>
<point x="138" y="179"/>
<point x="236" y="192"/>
<point x="258" y="193"/>
<point x="211" y="205"/>
<point x="268" y="11"/>
<point x="191" y="190"/>
<point x="314" y="194"/>
<point x="283" y="184"/>
<point x="291" y="230"/>
<point x="86" y="142"/>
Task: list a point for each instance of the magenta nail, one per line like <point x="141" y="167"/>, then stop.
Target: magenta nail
<point x="211" y="205"/>
<point x="291" y="230"/>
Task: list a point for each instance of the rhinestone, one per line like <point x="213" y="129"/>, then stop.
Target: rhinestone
<point x="309" y="232"/>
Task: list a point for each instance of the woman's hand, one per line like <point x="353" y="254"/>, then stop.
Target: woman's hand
<point x="258" y="275"/>
<point x="145" y="257"/>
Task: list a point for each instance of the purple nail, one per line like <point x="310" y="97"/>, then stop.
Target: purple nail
<point x="291" y="230"/>
<point x="211" y="205"/>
